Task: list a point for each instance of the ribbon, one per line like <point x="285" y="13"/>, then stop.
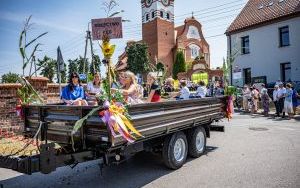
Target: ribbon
<point x="113" y="116"/>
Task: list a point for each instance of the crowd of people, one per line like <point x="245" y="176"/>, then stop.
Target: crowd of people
<point x="152" y="91"/>
<point x="285" y="99"/>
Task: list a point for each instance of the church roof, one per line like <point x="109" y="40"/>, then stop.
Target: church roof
<point x="259" y="12"/>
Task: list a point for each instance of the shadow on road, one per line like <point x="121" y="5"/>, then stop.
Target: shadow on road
<point x="138" y="171"/>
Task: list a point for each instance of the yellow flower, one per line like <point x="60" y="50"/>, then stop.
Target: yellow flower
<point x="107" y="49"/>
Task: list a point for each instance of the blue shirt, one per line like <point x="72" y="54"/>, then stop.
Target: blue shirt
<point x="288" y="95"/>
<point x="77" y="93"/>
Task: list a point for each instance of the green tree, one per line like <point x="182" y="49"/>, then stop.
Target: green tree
<point x="83" y="66"/>
<point x="10" y="78"/>
<point x="64" y="75"/>
<point x="179" y="65"/>
<point x="73" y="66"/>
<point x="96" y="62"/>
<point x="48" y="67"/>
<point x="138" y="59"/>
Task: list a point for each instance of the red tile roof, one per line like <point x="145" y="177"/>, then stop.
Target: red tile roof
<point x="262" y="11"/>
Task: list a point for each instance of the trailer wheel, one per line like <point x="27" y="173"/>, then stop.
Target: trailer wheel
<point x="197" y="141"/>
<point x="175" y="150"/>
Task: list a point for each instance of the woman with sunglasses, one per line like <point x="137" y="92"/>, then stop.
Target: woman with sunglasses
<point x="73" y="93"/>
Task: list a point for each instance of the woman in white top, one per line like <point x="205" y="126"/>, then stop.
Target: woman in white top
<point x="184" y="92"/>
<point x="201" y="90"/>
<point x="95" y="86"/>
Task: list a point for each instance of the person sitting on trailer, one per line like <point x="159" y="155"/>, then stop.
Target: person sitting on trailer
<point x="94" y="88"/>
<point x="201" y="90"/>
<point x="184" y="92"/>
<point x="130" y="89"/>
<point x="73" y="93"/>
<point x="153" y="88"/>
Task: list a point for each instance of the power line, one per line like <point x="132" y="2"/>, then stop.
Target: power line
<point x="206" y="12"/>
<point x="177" y="21"/>
<point x="210" y="8"/>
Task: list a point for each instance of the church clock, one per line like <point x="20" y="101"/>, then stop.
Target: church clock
<point x="148" y="3"/>
<point x="165" y="2"/>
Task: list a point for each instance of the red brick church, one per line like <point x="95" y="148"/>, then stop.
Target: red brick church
<point x="164" y="40"/>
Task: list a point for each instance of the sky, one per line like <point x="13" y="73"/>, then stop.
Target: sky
<point x="67" y="22"/>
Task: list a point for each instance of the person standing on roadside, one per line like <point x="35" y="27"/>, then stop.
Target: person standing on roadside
<point x="295" y="97"/>
<point x="254" y="99"/>
<point x="265" y="101"/>
<point x="246" y="96"/>
<point x="280" y="96"/>
<point x="275" y="99"/>
<point x="288" y="103"/>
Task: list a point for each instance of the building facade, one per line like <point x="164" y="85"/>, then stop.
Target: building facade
<point x="264" y="41"/>
<point x="164" y="40"/>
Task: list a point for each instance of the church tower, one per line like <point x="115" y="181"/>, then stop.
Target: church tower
<point x="158" y="31"/>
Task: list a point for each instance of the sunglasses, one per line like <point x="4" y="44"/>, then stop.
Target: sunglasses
<point x="74" y="76"/>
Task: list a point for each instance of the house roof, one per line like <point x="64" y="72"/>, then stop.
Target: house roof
<point x="258" y="12"/>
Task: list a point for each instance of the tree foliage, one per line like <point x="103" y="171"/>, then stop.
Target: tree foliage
<point x="179" y="65"/>
<point x="83" y="66"/>
<point x="138" y="59"/>
<point x="48" y="67"/>
<point x="10" y="78"/>
<point x="96" y="62"/>
<point x="72" y="66"/>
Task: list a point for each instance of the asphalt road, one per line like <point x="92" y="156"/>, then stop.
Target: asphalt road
<point x="254" y="151"/>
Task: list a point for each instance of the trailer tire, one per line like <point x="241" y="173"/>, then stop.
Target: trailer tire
<point x="197" y="142"/>
<point x="174" y="151"/>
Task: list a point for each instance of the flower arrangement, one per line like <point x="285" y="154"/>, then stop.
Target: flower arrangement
<point x="114" y="111"/>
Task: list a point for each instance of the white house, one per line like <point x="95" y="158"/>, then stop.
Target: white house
<point x="266" y="35"/>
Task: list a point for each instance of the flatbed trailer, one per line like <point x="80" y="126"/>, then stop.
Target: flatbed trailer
<point x="173" y="128"/>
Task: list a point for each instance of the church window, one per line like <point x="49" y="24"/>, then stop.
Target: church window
<point x="162" y="14"/>
<point x="194" y="51"/>
<point x="193" y="33"/>
<point x="168" y="16"/>
<point x="153" y="14"/>
<point x="147" y="17"/>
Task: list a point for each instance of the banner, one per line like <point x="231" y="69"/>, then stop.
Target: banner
<point x="110" y="26"/>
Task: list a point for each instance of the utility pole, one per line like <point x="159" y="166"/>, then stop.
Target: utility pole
<point x="92" y="50"/>
<point x="85" y="50"/>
